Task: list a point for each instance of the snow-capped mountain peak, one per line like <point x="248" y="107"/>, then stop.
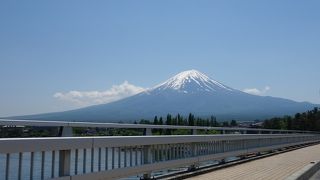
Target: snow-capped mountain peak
<point x="192" y="81"/>
<point x="187" y="92"/>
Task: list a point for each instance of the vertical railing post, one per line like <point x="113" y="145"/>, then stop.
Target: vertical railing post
<point x="146" y="152"/>
<point x="64" y="162"/>
<point x="147" y="155"/>
<point x="194" y="131"/>
<point x="31" y="165"/>
<point x="193" y="154"/>
<point x="147" y="132"/>
<point x="20" y="166"/>
<point x="65" y="155"/>
<point x="7" y="166"/>
<point x="65" y="131"/>
<point x="76" y="162"/>
<point x="53" y="164"/>
<point x="147" y="159"/>
<point x="43" y="155"/>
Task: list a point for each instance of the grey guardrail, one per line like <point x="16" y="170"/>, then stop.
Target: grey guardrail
<point x="9" y="145"/>
<point x="38" y="123"/>
<point x="131" y="155"/>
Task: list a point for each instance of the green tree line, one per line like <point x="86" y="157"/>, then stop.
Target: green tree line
<point x="190" y="120"/>
<point x="307" y="121"/>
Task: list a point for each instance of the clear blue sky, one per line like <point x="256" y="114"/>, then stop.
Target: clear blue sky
<point x="58" y="46"/>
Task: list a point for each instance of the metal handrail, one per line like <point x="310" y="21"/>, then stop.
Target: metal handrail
<point x="116" y="157"/>
<point x="39" y="123"/>
<point x="9" y="145"/>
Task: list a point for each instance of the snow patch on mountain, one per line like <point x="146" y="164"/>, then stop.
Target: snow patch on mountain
<point x="190" y="81"/>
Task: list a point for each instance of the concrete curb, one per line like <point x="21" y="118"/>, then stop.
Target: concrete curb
<point x="306" y="172"/>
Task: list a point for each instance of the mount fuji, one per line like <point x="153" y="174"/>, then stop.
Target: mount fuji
<point x="187" y="92"/>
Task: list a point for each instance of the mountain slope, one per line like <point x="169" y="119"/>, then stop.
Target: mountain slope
<point x="189" y="91"/>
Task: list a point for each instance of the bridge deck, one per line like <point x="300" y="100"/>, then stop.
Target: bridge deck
<point x="275" y="167"/>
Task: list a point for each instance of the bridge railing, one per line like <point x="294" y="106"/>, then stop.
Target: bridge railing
<point x="67" y="126"/>
<point x="118" y="156"/>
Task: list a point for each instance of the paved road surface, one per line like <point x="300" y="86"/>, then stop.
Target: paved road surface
<point x="271" y="168"/>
